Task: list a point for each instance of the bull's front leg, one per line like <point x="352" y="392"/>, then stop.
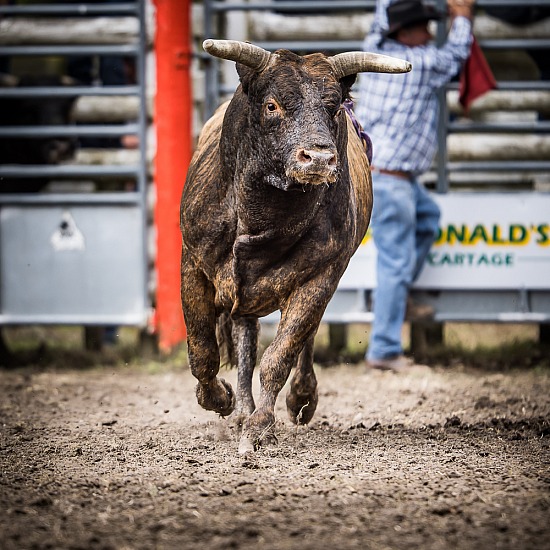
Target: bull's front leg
<point x="197" y="296"/>
<point x="298" y="326"/>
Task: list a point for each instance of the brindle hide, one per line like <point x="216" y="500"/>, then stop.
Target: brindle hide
<point x="277" y="199"/>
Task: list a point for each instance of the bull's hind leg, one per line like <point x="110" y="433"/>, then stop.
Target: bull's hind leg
<point x="197" y="296"/>
<point x="302" y="398"/>
<point x="245" y="337"/>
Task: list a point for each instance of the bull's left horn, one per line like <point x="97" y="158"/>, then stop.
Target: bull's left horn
<point x="242" y="52"/>
<point x="348" y="63"/>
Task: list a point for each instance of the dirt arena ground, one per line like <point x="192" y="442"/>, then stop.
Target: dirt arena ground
<point x="120" y="456"/>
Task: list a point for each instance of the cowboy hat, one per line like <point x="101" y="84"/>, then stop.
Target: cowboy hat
<point x="405" y="13"/>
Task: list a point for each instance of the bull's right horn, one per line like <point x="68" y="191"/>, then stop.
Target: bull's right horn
<point x="348" y="63"/>
<point x="241" y="52"/>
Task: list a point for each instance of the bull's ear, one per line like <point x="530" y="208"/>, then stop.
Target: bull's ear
<point x="346" y="83"/>
<point x="246" y="74"/>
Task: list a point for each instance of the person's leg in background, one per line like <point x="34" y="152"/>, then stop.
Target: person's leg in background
<point x="427" y="226"/>
<point x="393" y="227"/>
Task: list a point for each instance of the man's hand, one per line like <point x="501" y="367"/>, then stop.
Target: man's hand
<point x="464" y="8"/>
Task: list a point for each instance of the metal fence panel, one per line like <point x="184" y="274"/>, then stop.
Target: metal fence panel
<point x="75" y="264"/>
<point x="76" y="255"/>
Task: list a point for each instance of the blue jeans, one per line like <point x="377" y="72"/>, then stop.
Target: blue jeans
<point x="404" y="224"/>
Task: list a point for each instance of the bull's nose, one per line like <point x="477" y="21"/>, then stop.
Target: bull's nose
<point x="316" y="158"/>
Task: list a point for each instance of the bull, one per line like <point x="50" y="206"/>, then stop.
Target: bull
<point x="277" y="199"/>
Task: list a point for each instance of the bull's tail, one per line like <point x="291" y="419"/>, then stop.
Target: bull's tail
<point x="225" y="340"/>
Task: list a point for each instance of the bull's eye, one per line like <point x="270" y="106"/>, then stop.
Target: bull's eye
<point x="272" y="108"/>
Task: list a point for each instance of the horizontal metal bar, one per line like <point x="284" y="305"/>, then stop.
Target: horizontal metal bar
<point x="485" y="166"/>
<point x="345" y="319"/>
<point x="313" y="46"/>
<point x="85" y="319"/>
<point x="514" y="85"/>
<point x="96" y="199"/>
<point x="351" y="45"/>
<point x="66" y="170"/>
<point x="319" y="5"/>
<point x="84" y="130"/>
<point x="122" y="8"/>
<point x="483" y="128"/>
<point x="367" y="317"/>
<point x="514" y="3"/>
<point x="68" y="91"/>
<point x="502" y="317"/>
<point x="343" y="5"/>
<point x="99" y="49"/>
<point x="515" y="43"/>
<point x="483" y="186"/>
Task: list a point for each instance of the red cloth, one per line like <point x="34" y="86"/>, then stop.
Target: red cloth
<point x="476" y="77"/>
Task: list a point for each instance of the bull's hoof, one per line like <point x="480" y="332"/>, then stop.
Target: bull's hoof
<point x="243" y="409"/>
<point x="238" y="417"/>
<point x="218" y="397"/>
<point x="301" y="408"/>
<point x="257" y="434"/>
<point x="246" y="445"/>
<point x="250" y="444"/>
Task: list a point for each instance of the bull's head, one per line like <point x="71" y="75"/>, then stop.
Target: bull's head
<point x="294" y="103"/>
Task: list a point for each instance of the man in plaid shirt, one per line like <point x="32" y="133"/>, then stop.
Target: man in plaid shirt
<point x="400" y="115"/>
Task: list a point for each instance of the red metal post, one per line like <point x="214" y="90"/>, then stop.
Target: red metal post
<point x="173" y="121"/>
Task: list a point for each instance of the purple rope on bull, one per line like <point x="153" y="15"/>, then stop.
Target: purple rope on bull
<point x="367" y="143"/>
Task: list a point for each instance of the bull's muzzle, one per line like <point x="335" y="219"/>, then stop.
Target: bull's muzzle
<point x="315" y="165"/>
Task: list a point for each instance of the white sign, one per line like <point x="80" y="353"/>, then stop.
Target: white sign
<point x="486" y="241"/>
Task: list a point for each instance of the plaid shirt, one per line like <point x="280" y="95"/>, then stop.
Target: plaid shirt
<point x="400" y="112"/>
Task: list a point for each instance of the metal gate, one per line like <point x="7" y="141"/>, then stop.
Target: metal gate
<point x="509" y="285"/>
<point x="74" y="233"/>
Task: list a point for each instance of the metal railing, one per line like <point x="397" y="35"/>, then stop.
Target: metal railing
<point x="445" y="126"/>
<point x="105" y="203"/>
<point x="136" y="50"/>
